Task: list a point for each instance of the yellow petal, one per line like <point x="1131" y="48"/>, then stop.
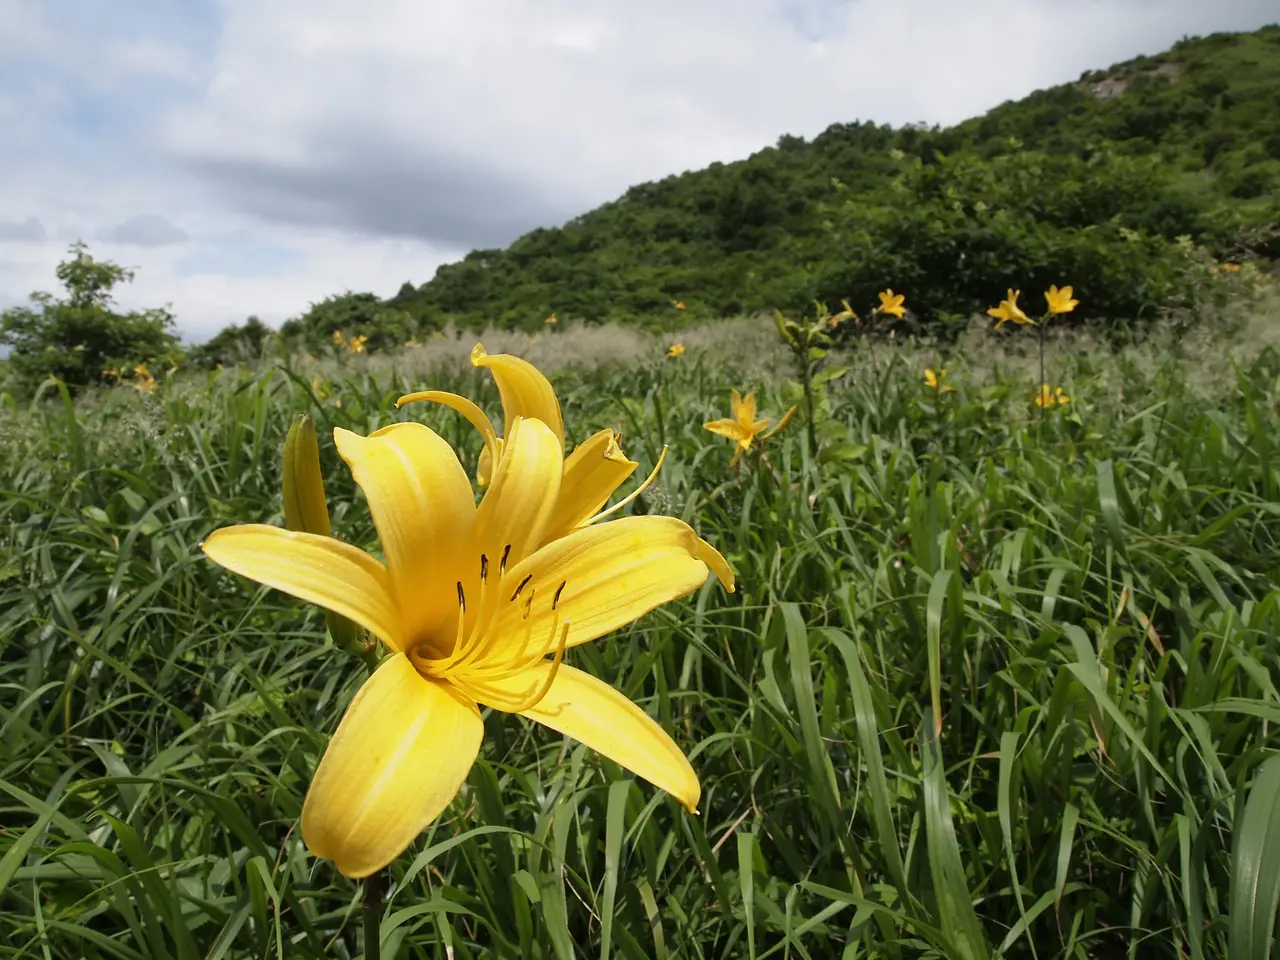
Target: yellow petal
<point x="760" y="426"/>
<point x="424" y="510"/>
<point x="402" y="750"/>
<point x="518" y="504"/>
<point x="603" y="577"/>
<point x="747" y="412"/>
<point x="475" y="416"/>
<point x="595" y="469"/>
<point x="735" y="403"/>
<point x="592" y="712"/>
<point x="315" y="568"/>
<point x="725" y="428"/>
<point x="524" y="390"/>
<point x="484" y="465"/>
<point x="782" y="424"/>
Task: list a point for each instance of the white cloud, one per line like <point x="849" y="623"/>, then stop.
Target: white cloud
<point x="361" y="145"/>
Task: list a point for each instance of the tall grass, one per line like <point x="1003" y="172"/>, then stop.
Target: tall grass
<point x="989" y="687"/>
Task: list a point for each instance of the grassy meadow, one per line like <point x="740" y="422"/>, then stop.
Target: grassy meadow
<point x="996" y="681"/>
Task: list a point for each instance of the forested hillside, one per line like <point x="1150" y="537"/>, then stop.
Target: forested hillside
<point x="1184" y="143"/>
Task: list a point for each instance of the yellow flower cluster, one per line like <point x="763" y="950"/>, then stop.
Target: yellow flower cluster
<point x="354" y="345"/>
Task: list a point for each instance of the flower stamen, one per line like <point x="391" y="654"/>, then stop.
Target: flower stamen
<point x="632" y="495"/>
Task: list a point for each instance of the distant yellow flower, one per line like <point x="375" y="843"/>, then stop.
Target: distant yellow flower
<point x="320" y="389"/>
<point x="675" y="350"/>
<point x="411" y="342"/>
<point x="678" y="304"/>
<point x="337" y="338"/>
<point x="743" y="427"/>
<point x="848" y="313"/>
<point x="143" y="380"/>
<point x="1060" y="300"/>
<point x="934" y="380"/>
<point x="471" y="612"/>
<point x="356" y="344"/>
<point x="891" y="303"/>
<point x="1009" y="310"/>
<point x="551" y="320"/>
<point x="1047" y="397"/>
<point x="1230" y="267"/>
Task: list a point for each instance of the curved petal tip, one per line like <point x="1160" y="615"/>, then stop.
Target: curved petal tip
<point x="719" y="566"/>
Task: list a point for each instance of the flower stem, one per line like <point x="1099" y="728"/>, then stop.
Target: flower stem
<point x="1044" y="406"/>
<point x="373" y="916"/>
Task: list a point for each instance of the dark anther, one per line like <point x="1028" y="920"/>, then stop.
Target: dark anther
<point x="521" y="587"/>
<point x="462" y="600"/>
<point x="559" y="590"/>
<point x="506" y="552"/>
<point x="484" y="566"/>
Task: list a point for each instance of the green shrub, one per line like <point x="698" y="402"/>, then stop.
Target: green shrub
<point x="82" y="340"/>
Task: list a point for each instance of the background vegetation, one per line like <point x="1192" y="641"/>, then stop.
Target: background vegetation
<point x="996" y="682"/>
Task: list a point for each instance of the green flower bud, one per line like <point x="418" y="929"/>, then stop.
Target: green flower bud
<point x="304" y="503"/>
<point x="305" y="510"/>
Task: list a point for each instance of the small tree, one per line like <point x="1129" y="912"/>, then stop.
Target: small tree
<point x="233" y="343"/>
<point x="80" y="338"/>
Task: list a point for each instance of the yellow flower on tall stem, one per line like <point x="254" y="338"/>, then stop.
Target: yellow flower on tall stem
<point x="1060" y="301"/>
<point x="891" y="303"/>
<point x="592" y="473"/>
<point x="742" y="427"/>
<point x="933" y="380"/>
<point x="675" y="351"/>
<point x="1009" y="310"/>
<point x="473" y="612"/>
<point x="1047" y="397"/>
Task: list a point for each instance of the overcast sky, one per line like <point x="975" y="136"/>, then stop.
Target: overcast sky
<point x="253" y="156"/>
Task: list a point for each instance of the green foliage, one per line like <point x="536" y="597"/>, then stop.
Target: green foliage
<point x="958" y="230"/>
<point x="1187" y="143"/>
<point x="351" y="315"/>
<point x="990" y="686"/>
<point x="82" y="339"/>
<point x="233" y="343"/>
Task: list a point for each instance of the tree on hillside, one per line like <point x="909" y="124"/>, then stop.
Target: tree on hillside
<point x="81" y="337"/>
<point x="232" y="343"/>
<point x="351" y="315"/>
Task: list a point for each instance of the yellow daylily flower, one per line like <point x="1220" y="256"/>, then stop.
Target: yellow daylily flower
<point x="1060" y="300"/>
<point x="1231" y="268"/>
<point x="356" y="344"/>
<point x="891" y="303"/>
<point x="337" y="338"/>
<point x="742" y="427"/>
<point x="1046" y="397"/>
<point x="675" y="350"/>
<point x="143" y="380"/>
<point x="551" y="320"/>
<point x="1009" y="310"/>
<point x="934" y="380"/>
<point x="848" y="313"/>
<point x="595" y="469"/>
<point x="472" y="612"/>
<point x="678" y="304"/>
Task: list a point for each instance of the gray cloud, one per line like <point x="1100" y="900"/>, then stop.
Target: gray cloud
<point x="387" y="190"/>
<point x="468" y="124"/>
<point x="146" y="230"/>
<point x="29" y="229"/>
